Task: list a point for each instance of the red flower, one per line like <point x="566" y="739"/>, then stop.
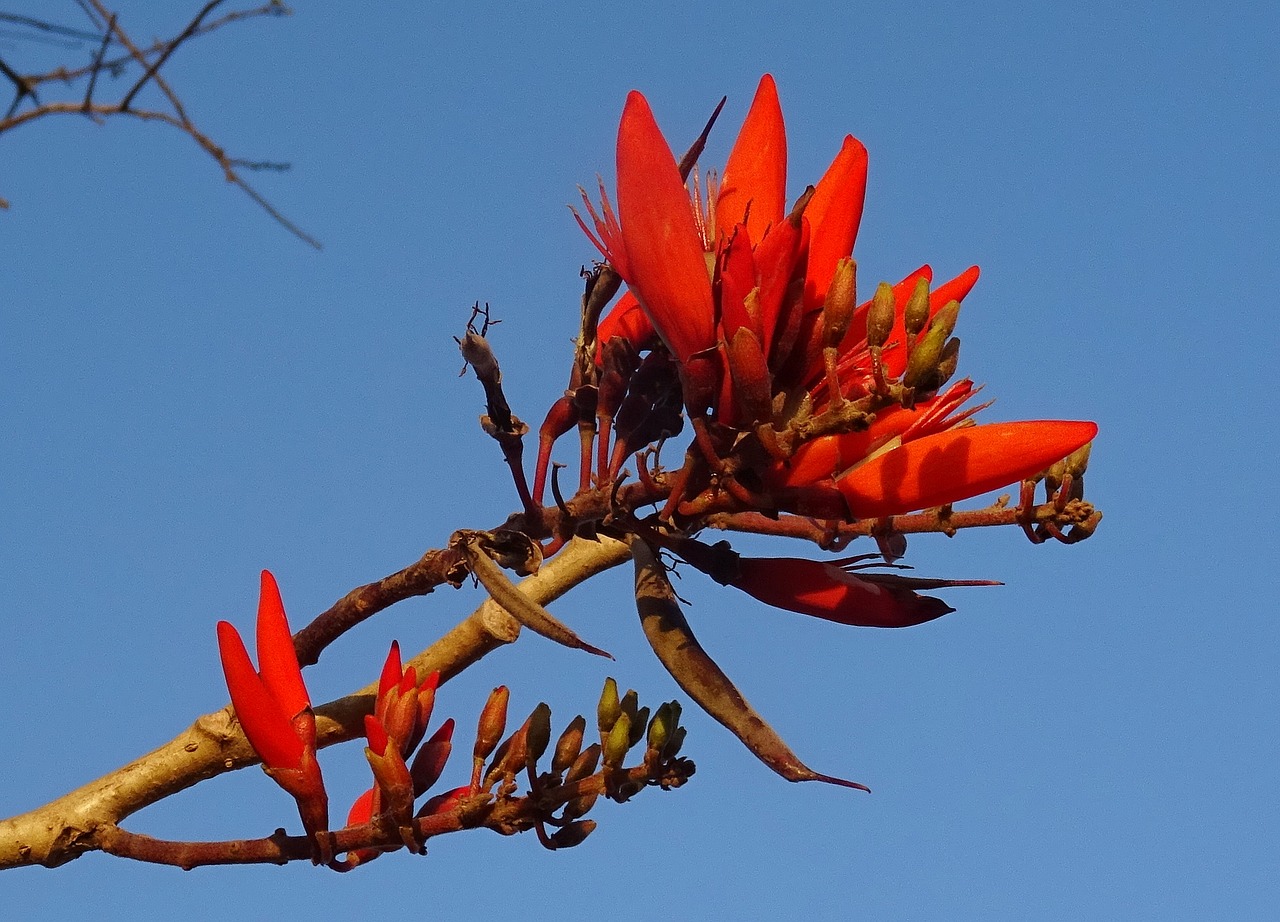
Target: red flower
<point x="756" y="305"/>
<point x="273" y="707"/>
<point x="830" y="591"/>
<point x="398" y="723"/>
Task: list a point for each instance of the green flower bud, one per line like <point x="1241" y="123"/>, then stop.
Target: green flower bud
<point x="609" y="708"/>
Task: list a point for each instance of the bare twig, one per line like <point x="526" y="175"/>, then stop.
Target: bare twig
<point x="150" y="60"/>
<point x="164" y="56"/>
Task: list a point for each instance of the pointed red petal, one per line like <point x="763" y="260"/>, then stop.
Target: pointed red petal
<point x="628" y="320"/>
<point x="260" y="715"/>
<point x="959" y="463"/>
<point x="376" y="734"/>
<point x="954" y="290"/>
<point x="362" y="809"/>
<point x="834" y="213"/>
<point x="737" y="280"/>
<point x="276" y="656"/>
<point x="811" y="587"/>
<point x="392" y="672"/>
<point x="753" y="186"/>
<point x="666" y="268"/>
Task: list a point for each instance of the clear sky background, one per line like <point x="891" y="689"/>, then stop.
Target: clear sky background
<point x="188" y="394"/>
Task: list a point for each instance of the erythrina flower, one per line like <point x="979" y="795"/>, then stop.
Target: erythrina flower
<point x="273" y="707"/>
<point x="398" y="723"/>
<point x="831" y="591"/>
<point x="801" y="399"/>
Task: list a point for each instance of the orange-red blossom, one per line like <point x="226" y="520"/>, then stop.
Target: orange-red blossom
<point x="756" y="305"/>
<point x="273" y="707"/>
<point x="393" y="731"/>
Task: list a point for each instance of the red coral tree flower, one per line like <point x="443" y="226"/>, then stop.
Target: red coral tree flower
<point x="273" y="706"/>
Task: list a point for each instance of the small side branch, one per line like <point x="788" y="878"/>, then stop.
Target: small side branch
<point x="150" y="60"/>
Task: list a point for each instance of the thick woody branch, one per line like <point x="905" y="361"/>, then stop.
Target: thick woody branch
<point x="214" y="744"/>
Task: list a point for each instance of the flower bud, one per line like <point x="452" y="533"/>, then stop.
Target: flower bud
<point x="638" y="724"/>
<point x="922" y="365"/>
<point x="881" y="315"/>
<point x="660" y="728"/>
<point x="916" y="314"/>
<point x="573" y="834"/>
<point x="842" y="299"/>
<point x="431" y="758"/>
<point x="1078" y="461"/>
<point x="585" y="765"/>
<point x="618" y="741"/>
<point x="630" y="703"/>
<point x="493" y="720"/>
<point x="949" y="361"/>
<point x="609" y="708"/>
<point x="539" y="733"/>
<point x="569" y="745"/>
<point x="677" y="741"/>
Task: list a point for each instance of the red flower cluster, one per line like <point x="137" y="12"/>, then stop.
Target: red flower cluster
<point x="274" y="711"/>
<point x="801" y="399"/>
<point x="756" y="306"/>
<point x="393" y="731"/>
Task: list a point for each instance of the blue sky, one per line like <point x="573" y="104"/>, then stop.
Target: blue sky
<point x="188" y="394"/>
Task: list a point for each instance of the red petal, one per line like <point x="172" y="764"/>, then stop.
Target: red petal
<point x="833" y="214"/>
<point x="628" y="320"/>
<point x="362" y="809"/>
<point x="826" y="456"/>
<point x="737" y="280"/>
<point x="375" y="734"/>
<point x="959" y="463"/>
<point x="276" y="656"/>
<point x="666" y="266"/>
<point x="391" y="672"/>
<point x="260" y="715"/>
<point x="811" y="587"/>
<point x="753" y="186"/>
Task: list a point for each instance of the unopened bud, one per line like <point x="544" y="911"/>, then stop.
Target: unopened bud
<point x="922" y="365"/>
<point x="881" y="315"/>
<point x="517" y="754"/>
<point x="752" y="383"/>
<point x="660" y="728"/>
<point x="949" y="362"/>
<point x="1078" y="461"/>
<point x="630" y="703"/>
<point x="431" y="758"/>
<point x="1054" y="475"/>
<point x="618" y="741"/>
<point x="493" y="720"/>
<point x="539" y="735"/>
<point x="609" y="708"/>
<point x="585" y="765"/>
<point x="842" y="299"/>
<point x="573" y="834"/>
<point x="917" y="313"/>
<point x="677" y="741"/>
<point x="579" y="806"/>
<point x="569" y="745"/>
<point x="638" y="725"/>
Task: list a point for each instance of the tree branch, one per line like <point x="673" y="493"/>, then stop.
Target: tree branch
<point x="67" y="827"/>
